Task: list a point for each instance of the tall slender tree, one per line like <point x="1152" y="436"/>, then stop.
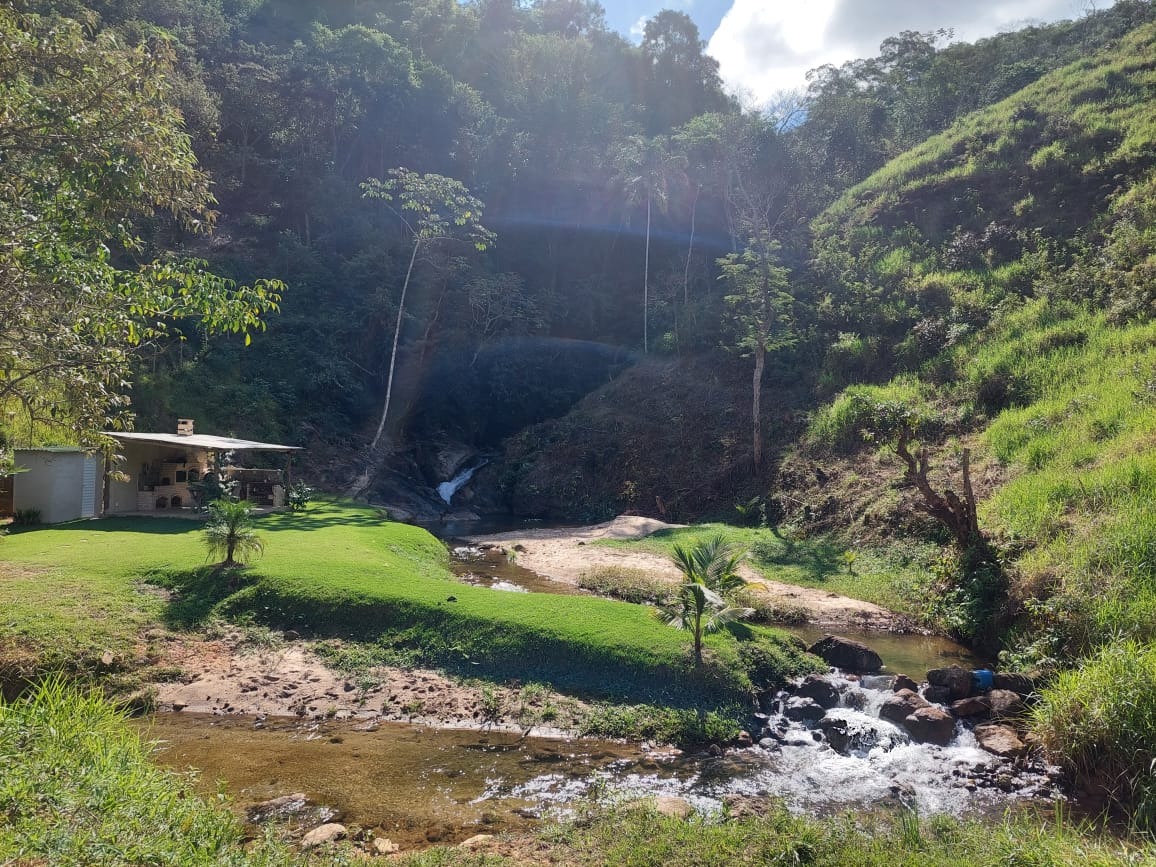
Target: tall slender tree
<point x="647" y="171"/>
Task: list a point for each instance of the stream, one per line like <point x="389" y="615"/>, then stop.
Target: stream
<point x="420" y="785"/>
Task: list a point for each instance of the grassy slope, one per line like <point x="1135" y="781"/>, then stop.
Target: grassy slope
<point x="1044" y="363"/>
<point x="338" y="570"/>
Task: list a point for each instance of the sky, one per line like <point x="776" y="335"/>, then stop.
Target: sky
<point x="766" y="46"/>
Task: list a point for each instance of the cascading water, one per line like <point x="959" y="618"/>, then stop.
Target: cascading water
<point x="446" y="490"/>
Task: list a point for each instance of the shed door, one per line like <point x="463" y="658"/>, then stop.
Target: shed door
<point x="88" y="489"/>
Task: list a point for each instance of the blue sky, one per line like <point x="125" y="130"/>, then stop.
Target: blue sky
<point x="766" y="46"/>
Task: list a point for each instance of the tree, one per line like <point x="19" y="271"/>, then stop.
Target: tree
<point x="432" y="208"/>
<point x="229" y="533"/>
<point x="700" y="605"/>
<point x="761" y="311"/>
<point x="647" y="169"/>
<point x="92" y="147"/>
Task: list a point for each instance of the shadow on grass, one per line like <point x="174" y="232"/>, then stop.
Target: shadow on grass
<point x="818" y="559"/>
<point x="195" y="593"/>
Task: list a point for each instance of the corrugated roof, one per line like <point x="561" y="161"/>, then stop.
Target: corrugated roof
<point x="203" y="441"/>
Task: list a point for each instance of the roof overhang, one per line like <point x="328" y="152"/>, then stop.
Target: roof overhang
<point x="201" y="441"/>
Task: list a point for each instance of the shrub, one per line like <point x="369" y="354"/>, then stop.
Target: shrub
<point x="630" y="585"/>
<point x="1099" y="723"/>
<point x="26" y="517"/>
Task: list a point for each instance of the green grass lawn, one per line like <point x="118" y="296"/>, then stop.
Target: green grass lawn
<point x="73" y="591"/>
<point x="889" y="578"/>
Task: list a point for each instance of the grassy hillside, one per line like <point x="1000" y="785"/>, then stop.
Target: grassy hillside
<point x="996" y="286"/>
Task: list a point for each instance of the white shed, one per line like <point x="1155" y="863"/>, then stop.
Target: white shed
<point x="62" y="484"/>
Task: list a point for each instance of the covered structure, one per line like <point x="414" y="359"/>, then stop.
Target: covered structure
<point x="57" y="484"/>
<point x="165" y="472"/>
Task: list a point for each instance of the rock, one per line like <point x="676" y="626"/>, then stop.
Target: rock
<point x="1005" y="704"/>
<point x="744" y="740"/>
<point x="291" y="635"/>
<point x="476" y="841"/>
<point x="821" y="690"/>
<point x="847" y="655"/>
<point x="323" y="834"/>
<point x="932" y="725"/>
<point x="897" y="707"/>
<point x="384" y="846"/>
<point x="746" y="807"/>
<point x="955" y="678"/>
<point x="937" y="694"/>
<point x="284" y="807"/>
<point x="838" y="735"/>
<point x="1001" y="740"/>
<point x="976" y="705"/>
<point x="677" y="808"/>
<point x="902" y="681"/>
<point x="1021" y="684"/>
<point x="803" y="710"/>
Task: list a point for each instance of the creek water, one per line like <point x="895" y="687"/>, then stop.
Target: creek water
<point x="421" y="785"/>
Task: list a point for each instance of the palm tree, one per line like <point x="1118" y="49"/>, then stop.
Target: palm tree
<point x="700" y="607"/>
<point x="647" y="169"/>
<point x="230" y="532"/>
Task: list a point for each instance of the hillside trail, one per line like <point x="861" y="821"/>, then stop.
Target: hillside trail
<point x="564" y="554"/>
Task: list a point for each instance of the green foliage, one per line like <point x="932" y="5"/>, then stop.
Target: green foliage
<point x="874" y="413"/>
<point x="629" y="585"/>
<point x="93" y="149"/>
<point x="26" y="517"/>
<point x="79" y="788"/>
<point x="229" y="533"/>
<point x="298" y="496"/>
<point x="1099" y="722"/>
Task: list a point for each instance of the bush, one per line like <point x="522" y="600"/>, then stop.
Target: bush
<point x="1099" y="723"/>
<point x="630" y="585"/>
<point x="26" y="517"/>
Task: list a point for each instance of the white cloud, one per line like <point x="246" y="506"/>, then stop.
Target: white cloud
<point x="638" y="28"/>
<point x="766" y="46"/>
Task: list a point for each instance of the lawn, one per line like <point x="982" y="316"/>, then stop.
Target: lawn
<point x="74" y="591"/>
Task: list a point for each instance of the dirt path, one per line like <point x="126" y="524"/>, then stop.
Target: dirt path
<point x="564" y="554"/>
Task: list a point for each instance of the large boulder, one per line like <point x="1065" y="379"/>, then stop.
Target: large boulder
<point x="931" y="724"/>
<point x="820" y="689"/>
<point x="837" y="732"/>
<point x="901" y="705"/>
<point x="802" y="709"/>
<point x="902" y="681"/>
<point x="976" y="705"/>
<point x="1005" y="704"/>
<point x="955" y="679"/>
<point x="1002" y="740"/>
<point x="848" y="655"/>
<point x="1021" y="684"/>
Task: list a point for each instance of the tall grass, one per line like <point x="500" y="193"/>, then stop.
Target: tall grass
<point x="1099" y="721"/>
<point x="78" y="788"/>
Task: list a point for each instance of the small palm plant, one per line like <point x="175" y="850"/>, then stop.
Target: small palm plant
<point x="700" y="605"/>
<point x="230" y="532"/>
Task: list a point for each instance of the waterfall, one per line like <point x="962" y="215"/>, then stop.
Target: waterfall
<point x="446" y="490"/>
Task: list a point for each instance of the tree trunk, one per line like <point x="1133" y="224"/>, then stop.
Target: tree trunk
<point x="393" y="354"/>
<point x="646" y="286"/>
<point x="698" y="640"/>
<point x="690" y="248"/>
<point x="756" y="406"/>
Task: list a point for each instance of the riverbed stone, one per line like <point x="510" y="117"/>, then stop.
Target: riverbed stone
<point x="744" y="740"/>
<point x="820" y="689"/>
<point x="323" y="834"/>
<point x="932" y="725"/>
<point x="902" y="681"/>
<point x="1021" y="684"/>
<point x="1005" y="704"/>
<point x="1000" y="739"/>
<point x="837" y="733"/>
<point x="848" y="655"/>
<point x="956" y="678"/>
<point x="476" y="842"/>
<point x="277" y="808"/>
<point x="973" y="706"/>
<point x="384" y="846"/>
<point x="898" y="706"/>
<point x="669" y="805"/>
<point x="802" y="709"/>
<point x="937" y="694"/>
